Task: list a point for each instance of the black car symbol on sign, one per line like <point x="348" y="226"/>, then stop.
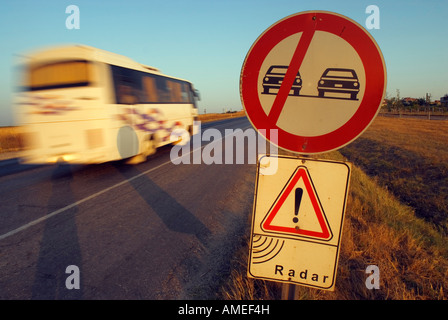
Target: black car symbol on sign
<point x="340" y="81"/>
<point x="274" y="78"/>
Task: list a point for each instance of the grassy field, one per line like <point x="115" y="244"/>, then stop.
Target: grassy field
<point x="395" y="219"/>
<point x="219" y="116"/>
<point x="10" y="139"/>
<point x="410" y="158"/>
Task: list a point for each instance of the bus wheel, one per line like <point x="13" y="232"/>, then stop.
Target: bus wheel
<point x="148" y="147"/>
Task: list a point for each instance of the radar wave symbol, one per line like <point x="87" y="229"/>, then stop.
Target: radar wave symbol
<point x="265" y="248"/>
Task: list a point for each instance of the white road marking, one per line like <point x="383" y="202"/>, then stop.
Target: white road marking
<point x="48" y="216"/>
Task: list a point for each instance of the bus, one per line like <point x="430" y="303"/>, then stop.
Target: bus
<point x="82" y="105"/>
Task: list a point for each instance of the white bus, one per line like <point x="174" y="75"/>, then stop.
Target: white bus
<point x="80" y="104"/>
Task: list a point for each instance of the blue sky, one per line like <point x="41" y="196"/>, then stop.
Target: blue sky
<point x="206" y="41"/>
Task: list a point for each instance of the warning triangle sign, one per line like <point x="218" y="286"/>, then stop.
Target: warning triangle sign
<point x="297" y="211"/>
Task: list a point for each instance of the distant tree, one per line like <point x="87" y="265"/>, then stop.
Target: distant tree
<point x="398" y="102"/>
<point x="391" y="104"/>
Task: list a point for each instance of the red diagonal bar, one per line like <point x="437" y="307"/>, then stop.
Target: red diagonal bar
<point x="291" y="73"/>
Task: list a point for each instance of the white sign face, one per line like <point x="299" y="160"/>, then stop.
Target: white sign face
<point x="317" y="77"/>
<point x="314" y="109"/>
<point x="297" y="221"/>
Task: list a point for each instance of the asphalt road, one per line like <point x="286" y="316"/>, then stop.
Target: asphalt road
<point x="150" y="231"/>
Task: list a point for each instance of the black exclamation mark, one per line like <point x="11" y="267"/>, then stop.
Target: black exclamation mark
<point x="299" y="192"/>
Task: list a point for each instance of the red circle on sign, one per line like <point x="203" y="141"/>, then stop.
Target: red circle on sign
<point x="362" y="43"/>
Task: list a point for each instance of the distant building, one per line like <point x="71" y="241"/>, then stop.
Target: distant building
<point x="409" y="101"/>
<point x="444" y="101"/>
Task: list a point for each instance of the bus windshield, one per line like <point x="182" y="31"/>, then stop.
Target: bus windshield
<point x="59" y="75"/>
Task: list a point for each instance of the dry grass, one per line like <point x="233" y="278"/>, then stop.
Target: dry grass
<point x="426" y="138"/>
<point x="239" y="287"/>
<point x="220" y="116"/>
<point x="410" y="158"/>
<point x="10" y="139"/>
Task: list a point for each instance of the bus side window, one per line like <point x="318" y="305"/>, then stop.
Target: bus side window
<point x="128" y="85"/>
<point x="175" y="94"/>
<point x="126" y="94"/>
<point x="149" y="89"/>
<point x="163" y="91"/>
<point x="184" y="94"/>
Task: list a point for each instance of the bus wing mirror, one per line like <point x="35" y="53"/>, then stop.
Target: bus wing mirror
<point x="197" y="94"/>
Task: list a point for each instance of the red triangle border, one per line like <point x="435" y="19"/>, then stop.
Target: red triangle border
<point x="300" y="173"/>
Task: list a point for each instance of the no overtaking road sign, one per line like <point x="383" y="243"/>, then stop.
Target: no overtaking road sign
<point x="317" y="77"/>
